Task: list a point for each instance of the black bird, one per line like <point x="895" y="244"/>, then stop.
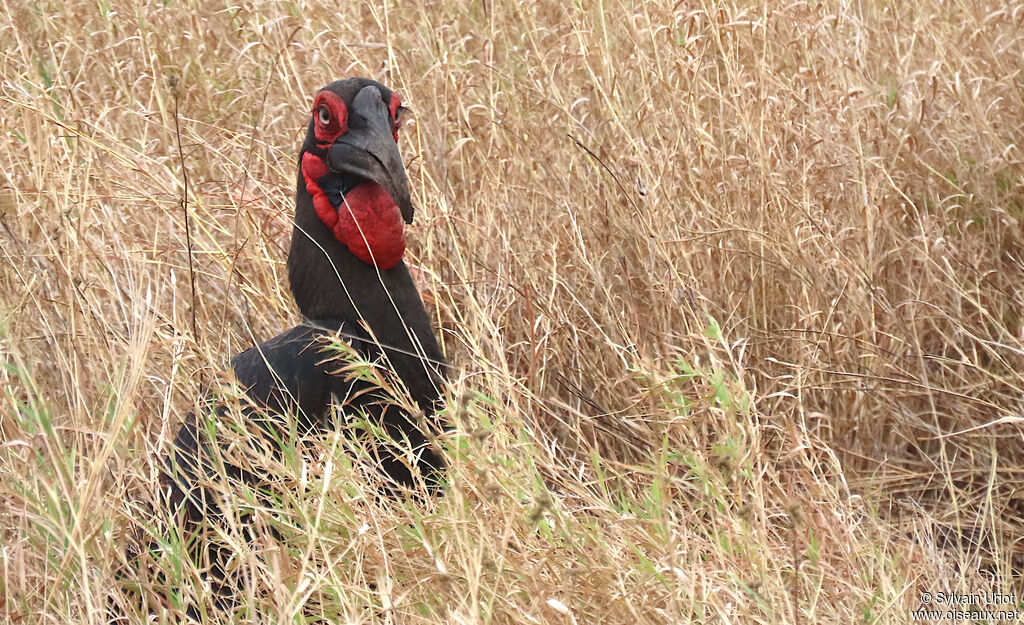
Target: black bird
<point x="346" y="272"/>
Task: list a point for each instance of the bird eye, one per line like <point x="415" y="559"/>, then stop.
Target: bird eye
<point x="401" y="114"/>
<point x="324" y="115"/>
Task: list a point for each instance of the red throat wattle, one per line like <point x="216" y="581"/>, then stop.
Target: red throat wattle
<point x="368" y="222"/>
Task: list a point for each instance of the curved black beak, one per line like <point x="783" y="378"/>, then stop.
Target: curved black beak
<point x="368" y="150"/>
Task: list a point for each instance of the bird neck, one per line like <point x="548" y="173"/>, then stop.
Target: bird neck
<point x="330" y="282"/>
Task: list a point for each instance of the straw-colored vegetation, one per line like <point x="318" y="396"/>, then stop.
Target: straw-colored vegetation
<point x="732" y="294"/>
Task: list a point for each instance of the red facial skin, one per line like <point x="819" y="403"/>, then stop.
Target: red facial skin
<point x="368" y="222"/>
<point x="393" y="106"/>
<point x="337" y="125"/>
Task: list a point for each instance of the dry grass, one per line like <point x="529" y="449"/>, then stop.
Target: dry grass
<point x="732" y="293"/>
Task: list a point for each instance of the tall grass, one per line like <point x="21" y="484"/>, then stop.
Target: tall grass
<point x="732" y="293"/>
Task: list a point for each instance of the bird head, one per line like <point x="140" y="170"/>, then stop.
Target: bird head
<point x="351" y="167"/>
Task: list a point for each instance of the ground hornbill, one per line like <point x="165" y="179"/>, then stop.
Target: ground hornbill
<point x="346" y="273"/>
